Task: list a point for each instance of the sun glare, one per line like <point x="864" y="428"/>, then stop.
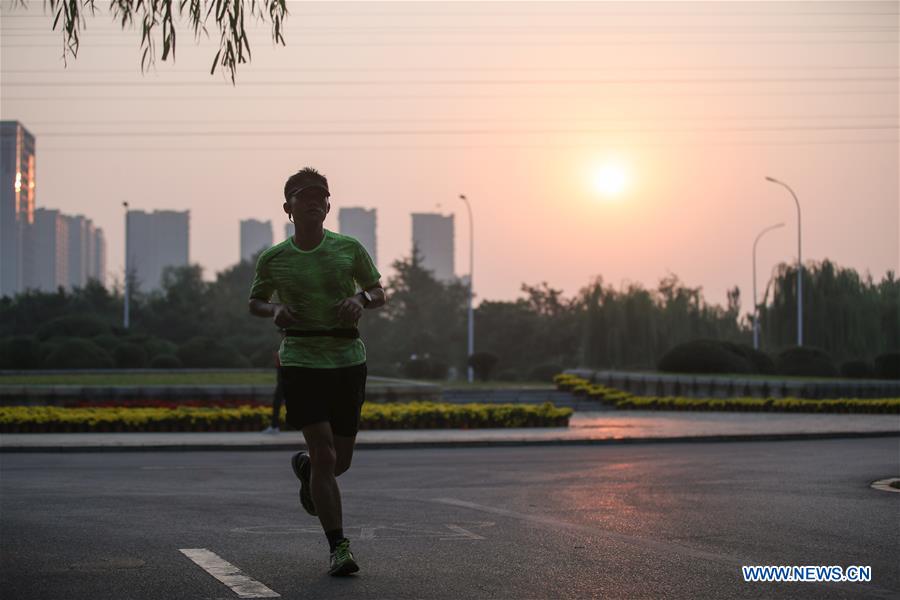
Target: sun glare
<point x="610" y="180"/>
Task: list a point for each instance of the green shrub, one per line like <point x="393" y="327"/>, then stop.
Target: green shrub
<point x="74" y="353"/>
<point x="625" y="400"/>
<point x="413" y="415"/>
<point x="74" y="326"/>
<point x="805" y="361"/>
<point x="887" y="366"/>
<point x="425" y="368"/>
<point x="206" y="352"/>
<point x="264" y="357"/>
<point x="129" y="355"/>
<point x="107" y="341"/>
<point x="165" y="361"/>
<point x="759" y="361"/>
<point x="507" y="375"/>
<point x="20" y="352"/>
<point x="159" y="347"/>
<point x="544" y="372"/>
<point x="704" y="356"/>
<point x="874" y="405"/>
<point x="483" y="364"/>
<point x="856" y="369"/>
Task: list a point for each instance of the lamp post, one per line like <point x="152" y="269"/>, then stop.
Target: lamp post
<point x="799" y="263"/>
<point x="755" y="304"/>
<point x="126" y="317"/>
<point x="471" y="348"/>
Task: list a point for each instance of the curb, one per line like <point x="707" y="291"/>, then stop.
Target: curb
<point x="765" y="437"/>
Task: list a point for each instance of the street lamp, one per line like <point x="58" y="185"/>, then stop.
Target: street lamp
<point x="799" y="264"/>
<point x="755" y="304"/>
<point x="126" y="316"/>
<point x="470" y="370"/>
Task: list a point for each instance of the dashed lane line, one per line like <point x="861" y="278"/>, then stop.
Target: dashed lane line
<point x="227" y="573"/>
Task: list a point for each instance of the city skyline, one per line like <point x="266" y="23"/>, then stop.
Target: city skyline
<point x="522" y="107"/>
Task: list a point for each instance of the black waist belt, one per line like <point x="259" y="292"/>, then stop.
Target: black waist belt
<point x="350" y="333"/>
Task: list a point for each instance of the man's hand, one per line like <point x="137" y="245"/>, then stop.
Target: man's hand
<point x="350" y="309"/>
<point x="283" y="317"/>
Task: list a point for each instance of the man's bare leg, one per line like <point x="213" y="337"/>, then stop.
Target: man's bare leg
<point x="323" y="485"/>
<point x="343" y="446"/>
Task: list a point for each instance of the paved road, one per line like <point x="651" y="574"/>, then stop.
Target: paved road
<point x="642" y="521"/>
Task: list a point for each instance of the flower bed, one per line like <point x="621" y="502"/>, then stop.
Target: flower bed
<point x="625" y="400"/>
<point x="413" y="415"/>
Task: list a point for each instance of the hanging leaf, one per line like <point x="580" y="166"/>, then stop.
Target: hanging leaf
<point x="228" y="16"/>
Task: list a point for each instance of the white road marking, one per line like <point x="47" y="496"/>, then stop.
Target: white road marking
<point x="885" y="484"/>
<point x="228" y="574"/>
<point x="464" y="532"/>
<point x="461" y="530"/>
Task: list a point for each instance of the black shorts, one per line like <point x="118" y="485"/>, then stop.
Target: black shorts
<point x="335" y="396"/>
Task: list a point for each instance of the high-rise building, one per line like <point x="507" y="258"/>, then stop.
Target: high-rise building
<point x="49" y="248"/>
<point x="288" y="230"/>
<point x="17" y="195"/>
<point x="154" y="241"/>
<point x="79" y="231"/>
<point x="433" y="238"/>
<point x="97" y="268"/>
<point x="65" y="251"/>
<point x="255" y="236"/>
<point x="359" y="223"/>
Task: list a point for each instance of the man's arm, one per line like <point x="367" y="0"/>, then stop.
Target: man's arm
<point x="261" y="308"/>
<point x="378" y="296"/>
<point x="351" y="309"/>
<point x="280" y="314"/>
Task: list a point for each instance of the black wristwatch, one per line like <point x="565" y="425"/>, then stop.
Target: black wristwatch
<point x="367" y="298"/>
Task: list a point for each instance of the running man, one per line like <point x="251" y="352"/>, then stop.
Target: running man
<point x="323" y="281"/>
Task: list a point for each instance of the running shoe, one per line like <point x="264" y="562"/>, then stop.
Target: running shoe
<point x="301" y="466"/>
<point x="342" y="561"/>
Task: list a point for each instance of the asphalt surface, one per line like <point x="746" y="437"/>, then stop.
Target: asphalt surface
<point x="639" y="521"/>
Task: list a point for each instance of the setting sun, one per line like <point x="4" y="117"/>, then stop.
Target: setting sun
<point x="610" y="180"/>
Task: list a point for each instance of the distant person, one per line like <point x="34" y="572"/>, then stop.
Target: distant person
<point x="277" y="400"/>
<point x="324" y="280"/>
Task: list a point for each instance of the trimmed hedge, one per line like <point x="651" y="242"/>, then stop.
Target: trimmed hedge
<point x="206" y="353"/>
<point x="706" y="356"/>
<point x="625" y="400"/>
<point x="887" y="366"/>
<point x="857" y="369"/>
<point x="165" y="361"/>
<point x="414" y="415"/>
<point x="77" y="353"/>
<point x="129" y="355"/>
<point x="805" y="361"/>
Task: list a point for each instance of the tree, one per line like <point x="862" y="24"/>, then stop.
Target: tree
<point x="483" y="364"/>
<point x="162" y="15"/>
<point x="426" y="315"/>
<point x="849" y="317"/>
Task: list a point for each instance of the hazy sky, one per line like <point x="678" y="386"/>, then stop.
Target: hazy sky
<point x="519" y="105"/>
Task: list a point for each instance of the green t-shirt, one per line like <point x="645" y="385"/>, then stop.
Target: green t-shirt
<point x="312" y="283"/>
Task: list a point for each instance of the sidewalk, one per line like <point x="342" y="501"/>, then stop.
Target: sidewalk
<point x="608" y="427"/>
